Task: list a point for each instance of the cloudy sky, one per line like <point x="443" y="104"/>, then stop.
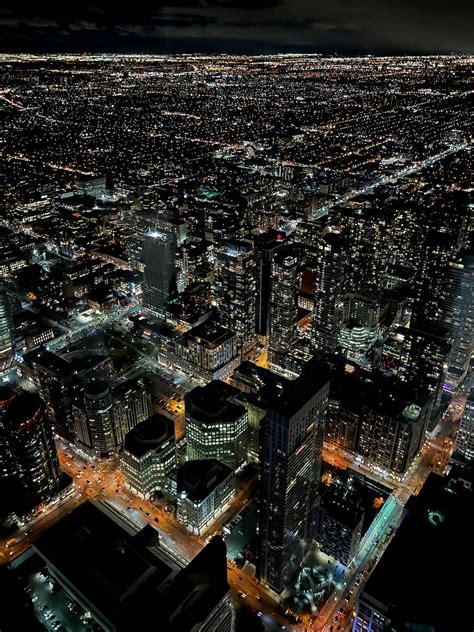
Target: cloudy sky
<point x="238" y="26"/>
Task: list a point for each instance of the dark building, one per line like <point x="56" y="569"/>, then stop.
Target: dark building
<point x="381" y="419"/>
<point x="128" y="582"/>
<point x="7" y="468"/>
<point x="339" y="520"/>
<point x="159" y="281"/>
<point x="30" y="442"/>
<point x="291" y="445"/>
<point x="266" y="247"/>
<point x="410" y="586"/>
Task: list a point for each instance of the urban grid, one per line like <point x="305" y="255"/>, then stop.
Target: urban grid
<point x="236" y="330"/>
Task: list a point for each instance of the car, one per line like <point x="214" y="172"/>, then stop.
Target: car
<point x="156" y="519"/>
<point x="242" y="595"/>
<point x="258" y="597"/>
<point x="147" y="513"/>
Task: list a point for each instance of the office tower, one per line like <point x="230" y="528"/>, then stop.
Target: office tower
<point x="6" y="328"/>
<point x="216" y="426"/>
<point x="292" y="438"/>
<point x="29" y="437"/>
<point x="7" y="467"/>
<point x="457" y="314"/>
<point x="329" y="266"/>
<point x="339" y="519"/>
<point x="159" y="280"/>
<point x="465" y="436"/>
<point x="266" y="247"/>
<point x="204" y="488"/>
<point x="436" y="255"/>
<point x="236" y="290"/>
<point x="207" y="351"/>
<point x="128" y="581"/>
<point x="148" y="456"/>
<point x="283" y="310"/>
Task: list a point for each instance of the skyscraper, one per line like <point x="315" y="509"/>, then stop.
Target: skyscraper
<point x="283" y="312"/>
<point x="266" y="247"/>
<point x="457" y="313"/>
<point x="236" y="291"/>
<point x="291" y="444"/>
<point x="159" y="281"/>
<point x="6" y="328"/>
<point x="329" y="286"/>
<point x="30" y="441"/>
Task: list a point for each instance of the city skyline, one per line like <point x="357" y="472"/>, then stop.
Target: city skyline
<point x="236" y="338"/>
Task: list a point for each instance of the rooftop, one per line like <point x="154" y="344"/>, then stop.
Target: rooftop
<point x="197" y="479"/>
<point x="149" y="435"/>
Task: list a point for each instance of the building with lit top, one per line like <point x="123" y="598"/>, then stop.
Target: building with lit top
<point x="283" y="308"/>
<point x="208" y="351"/>
<point x="235" y="286"/>
<point x="159" y="279"/>
<point x="204" y="488"/>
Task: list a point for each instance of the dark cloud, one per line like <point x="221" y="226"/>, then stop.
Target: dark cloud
<point x="247" y="26"/>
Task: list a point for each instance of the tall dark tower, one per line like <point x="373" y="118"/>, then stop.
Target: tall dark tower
<point x="6" y="328"/>
<point x="6" y="466"/>
<point x="266" y="247"/>
<point x="290" y="456"/>
<point x="159" y="281"/>
<point x="30" y="440"/>
<point x="329" y="286"/>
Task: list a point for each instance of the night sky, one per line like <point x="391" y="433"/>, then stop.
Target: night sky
<point x="239" y="26"/>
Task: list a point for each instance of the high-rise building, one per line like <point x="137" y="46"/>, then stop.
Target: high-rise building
<point x="465" y="436"/>
<point x="7" y="466"/>
<point x="6" y="328"/>
<point x="329" y="287"/>
<point x="216" y="426"/>
<point x="381" y="419"/>
<point x="360" y="329"/>
<point x="148" y="456"/>
<point x="339" y="520"/>
<point x="102" y="417"/>
<point x="204" y="488"/>
<point x="29" y="437"/>
<point x="208" y="351"/>
<point x="266" y="247"/>
<point x="430" y="281"/>
<point x="457" y="314"/>
<point x="159" y="281"/>
<point x="291" y="445"/>
<point x="236" y="291"/>
<point x="283" y="310"/>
